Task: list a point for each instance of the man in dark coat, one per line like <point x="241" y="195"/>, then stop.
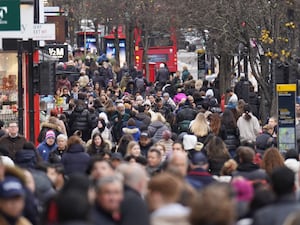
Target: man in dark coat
<point x="109" y="195"/>
<point x="198" y="176"/>
<point x="12" y="141"/>
<point x="142" y="119"/>
<point x="133" y="207"/>
<point x="283" y="184"/>
<point x="162" y="75"/>
<point x="80" y="120"/>
<point x="246" y="167"/>
<point x="184" y="116"/>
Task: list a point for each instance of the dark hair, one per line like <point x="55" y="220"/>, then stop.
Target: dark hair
<point x="292" y="154"/>
<point x="29" y="145"/>
<point x="283" y="181"/>
<point x="247" y="110"/>
<point x="246" y="154"/>
<point x="228" y="119"/>
<point x="153" y="149"/>
<point x="141" y="160"/>
<point x="131" y="122"/>
<point x="93" y="161"/>
<point x="72" y="205"/>
<point x="123" y="143"/>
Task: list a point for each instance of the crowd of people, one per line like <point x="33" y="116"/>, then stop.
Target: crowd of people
<point x="130" y="152"/>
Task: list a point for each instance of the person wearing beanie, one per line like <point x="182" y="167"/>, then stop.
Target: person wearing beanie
<point x="47" y="145"/>
<point x="198" y="176"/>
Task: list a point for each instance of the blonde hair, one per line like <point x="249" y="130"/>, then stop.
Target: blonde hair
<point x="159" y="117"/>
<point x="130" y="146"/>
<point x="198" y="85"/>
<point x="199" y="126"/>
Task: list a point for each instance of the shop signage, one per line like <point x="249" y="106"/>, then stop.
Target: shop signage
<point x="10" y="15"/>
<point x="286" y="136"/>
<point x="43" y="32"/>
<point x="59" y="52"/>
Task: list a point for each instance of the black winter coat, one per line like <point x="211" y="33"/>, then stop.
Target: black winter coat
<point x="232" y="140"/>
<point x="80" y="119"/>
<point x="264" y="141"/>
<point x="75" y="160"/>
<point x="133" y="209"/>
<point x="185" y="113"/>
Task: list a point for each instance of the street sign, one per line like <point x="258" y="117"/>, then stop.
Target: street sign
<point x="43" y="32"/>
<point x="10" y="15"/>
<point x="59" y="52"/>
<point x="286" y="94"/>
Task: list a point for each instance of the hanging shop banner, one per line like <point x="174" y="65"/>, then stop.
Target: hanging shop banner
<point x="286" y="136"/>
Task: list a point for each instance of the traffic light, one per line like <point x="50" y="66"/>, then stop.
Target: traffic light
<point x="47" y="78"/>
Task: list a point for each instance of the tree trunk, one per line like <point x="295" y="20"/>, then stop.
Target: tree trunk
<point x="117" y="47"/>
<point x="224" y="72"/>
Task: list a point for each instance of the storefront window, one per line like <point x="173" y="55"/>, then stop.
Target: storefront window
<point x="8" y="87"/>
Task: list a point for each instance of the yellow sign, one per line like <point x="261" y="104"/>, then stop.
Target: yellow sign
<point x="286" y="87"/>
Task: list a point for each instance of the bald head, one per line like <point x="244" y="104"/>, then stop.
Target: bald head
<point x="135" y="176"/>
<point x="179" y="160"/>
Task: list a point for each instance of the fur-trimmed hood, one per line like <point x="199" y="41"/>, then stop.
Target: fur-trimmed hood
<point x="51" y="126"/>
<point x="130" y="130"/>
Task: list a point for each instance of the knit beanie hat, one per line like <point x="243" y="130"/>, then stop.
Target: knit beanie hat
<point x="50" y="134"/>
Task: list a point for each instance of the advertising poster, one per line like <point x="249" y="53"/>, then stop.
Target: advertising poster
<point x="286" y="94"/>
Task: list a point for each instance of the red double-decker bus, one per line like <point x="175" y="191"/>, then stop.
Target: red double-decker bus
<point x="162" y="49"/>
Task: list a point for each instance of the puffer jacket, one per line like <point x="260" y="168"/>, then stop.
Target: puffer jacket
<point x="143" y="119"/>
<point x="185" y="113"/>
<point x="232" y="138"/>
<point x="264" y="141"/>
<point x="75" y="160"/>
<point x="80" y="119"/>
<point x="156" y="129"/>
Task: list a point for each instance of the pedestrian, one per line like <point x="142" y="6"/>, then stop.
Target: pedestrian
<point x="75" y="159"/>
<point x="109" y="195"/>
<point x="185" y="74"/>
<point x="133" y="207"/>
<point x="12" y="141"/>
<point x="47" y="145"/>
<point x="248" y="126"/>
<point x="12" y="202"/>
<point x="283" y="185"/>
<point x="167" y="188"/>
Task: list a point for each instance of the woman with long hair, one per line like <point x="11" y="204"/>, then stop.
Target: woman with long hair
<point x="133" y="148"/>
<point x="98" y="145"/>
<point x="216" y="125"/>
<point x="232" y="131"/>
<point x="123" y="143"/>
<point x="248" y="126"/>
<point x="200" y="127"/>
<point x="217" y="154"/>
<point x="272" y="159"/>
<point x="157" y="127"/>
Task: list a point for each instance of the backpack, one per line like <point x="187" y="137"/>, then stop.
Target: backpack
<point x="140" y="84"/>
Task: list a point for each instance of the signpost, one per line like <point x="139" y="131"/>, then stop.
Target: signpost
<point x="10" y="15"/>
<point x="286" y="94"/>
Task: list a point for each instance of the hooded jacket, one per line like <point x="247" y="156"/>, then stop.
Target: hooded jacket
<point x="134" y="131"/>
<point x="75" y="160"/>
<point x="80" y="119"/>
<point x="156" y="129"/>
